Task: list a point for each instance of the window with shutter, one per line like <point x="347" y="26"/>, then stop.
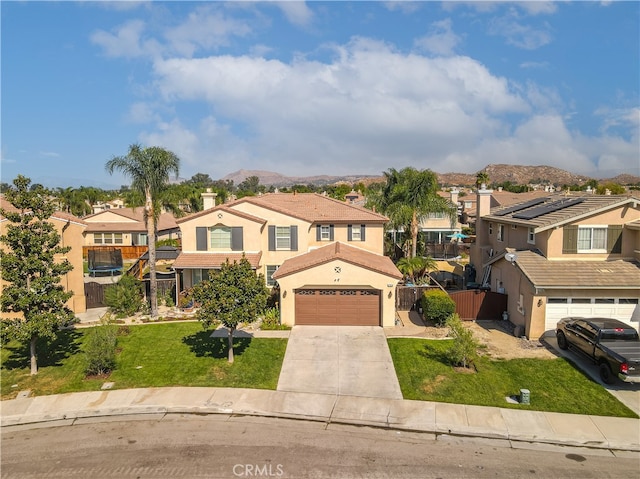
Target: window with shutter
<point x="201" y="238"/>
<point x="570" y="239"/>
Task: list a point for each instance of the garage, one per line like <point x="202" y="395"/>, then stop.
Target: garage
<point x="618" y="308"/>
<point x="345" y="307"/>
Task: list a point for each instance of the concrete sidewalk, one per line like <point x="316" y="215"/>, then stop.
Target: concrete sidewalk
<point x="513" y="426"/>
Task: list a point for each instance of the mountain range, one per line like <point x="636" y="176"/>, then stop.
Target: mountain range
<point x="498" y="173"/>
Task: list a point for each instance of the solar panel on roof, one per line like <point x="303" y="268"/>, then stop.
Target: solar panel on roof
<point x="548" y="208"/>
<point x="520" y="206"/>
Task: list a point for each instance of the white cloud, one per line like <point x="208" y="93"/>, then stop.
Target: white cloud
<point x="518" y="34"/>
<point x="141" y="112"/>
<point x="405" y="6"/>
<point x="441" y="40"/>
<point x="49" y="154"/>
<point x="297" y="12"/>
<point x="126" y="41"/>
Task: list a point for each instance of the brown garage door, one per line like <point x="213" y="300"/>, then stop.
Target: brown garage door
<point x="347" y="307"/>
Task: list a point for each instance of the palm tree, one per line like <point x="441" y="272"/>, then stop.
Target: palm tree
<point x="482" y="178"/>
<point x="408" y="197"/>
<point x="149" y="169"/>
<point x="416" y="268"/>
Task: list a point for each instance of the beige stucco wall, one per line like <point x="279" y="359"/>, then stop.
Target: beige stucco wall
<point x="108" y="217"/>
<point x="350" y="276"/>
<point x="74" y="280"/>
<point x="251" y="232"/>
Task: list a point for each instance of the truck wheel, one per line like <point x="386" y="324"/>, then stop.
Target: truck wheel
<point x="562" y="340"/>
<point x="605" y="374"/>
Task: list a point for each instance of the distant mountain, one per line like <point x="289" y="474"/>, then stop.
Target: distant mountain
<point x="498" y="173"/>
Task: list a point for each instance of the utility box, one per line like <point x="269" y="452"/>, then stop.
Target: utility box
<point x="525" y="396"/>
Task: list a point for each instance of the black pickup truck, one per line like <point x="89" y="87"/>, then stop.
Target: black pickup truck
<point x="611" y="344"/>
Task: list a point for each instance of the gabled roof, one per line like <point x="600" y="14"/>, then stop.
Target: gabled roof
<point x="213" y="260"/>
<point x="132" y="221"/>
<point x="549" y="274"/>
<point x="225" y="209"/>
<point x="313" y="208"/>
<point x="589" y="205"/>
<point x="338" y="251"/>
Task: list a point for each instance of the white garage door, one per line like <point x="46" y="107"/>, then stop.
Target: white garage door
<point x="618" y="308"/>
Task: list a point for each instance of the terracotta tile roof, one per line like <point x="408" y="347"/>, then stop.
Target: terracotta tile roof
<point x="313" y="207"/>
<point x="591" y="204"/>
<point x="338" y="251"/>
<point x="59" y="215"/>
<point x="213" y="260"/>
<point x="547" y="274"/>
<point x="166" y="221"/>
<point x="224" y="208"/>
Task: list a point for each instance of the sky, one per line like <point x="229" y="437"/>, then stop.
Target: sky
<point x="318" y="88"/>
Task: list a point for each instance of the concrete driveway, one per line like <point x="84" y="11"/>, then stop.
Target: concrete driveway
<point x="340" y="360"/>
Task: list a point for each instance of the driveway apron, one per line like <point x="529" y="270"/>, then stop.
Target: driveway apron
<point x="340" y="360"/>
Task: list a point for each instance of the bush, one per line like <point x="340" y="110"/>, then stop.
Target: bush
<point x="125" y="297"/>
<point x="100" y="349"/>
<point x="464" y="350"/>
<point x="271" y="320"/>
<point x="437" y="306"/>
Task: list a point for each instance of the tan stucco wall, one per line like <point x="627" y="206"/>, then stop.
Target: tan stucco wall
<point x="126" y="240"/>
<point x="350" y="276"/>
<point x="251" y="232"/>
<point x="108" y="217"/>
<point x="74" y="280"/>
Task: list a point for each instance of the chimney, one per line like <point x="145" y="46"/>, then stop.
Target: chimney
<point x="208" y="199"/>
<point x="483" y="202"/>
<point x="454" y="196"/>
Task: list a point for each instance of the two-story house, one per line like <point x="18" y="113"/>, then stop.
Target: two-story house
<point x="325" y="254"/>
<point x="560" y="255"/>
<point x="70" y="228"/>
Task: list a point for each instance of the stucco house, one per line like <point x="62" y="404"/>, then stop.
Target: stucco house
<point x="124" y="228"/>
<point x="560" y="255"/>
<point x="323" y="246"/>
<point x="70" y="228"/>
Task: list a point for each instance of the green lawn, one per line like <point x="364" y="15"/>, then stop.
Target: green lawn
<point x="170" y="354"/>
<point x="555" y="385"/>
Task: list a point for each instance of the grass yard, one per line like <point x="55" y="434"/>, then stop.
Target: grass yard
<point x="154" y="355"/>
<point x="555" y="385"/>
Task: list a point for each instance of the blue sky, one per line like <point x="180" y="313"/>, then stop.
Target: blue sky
<point x="307" y="88"/>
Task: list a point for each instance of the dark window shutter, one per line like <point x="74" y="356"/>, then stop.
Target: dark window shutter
<point x="294" y="238"/>
<point x="272" y="238"/>
<point x="570" y="239"/>
<point x="318" y="232"/>
<point x="349" y="233"/>
<point x="330" y="232"/>
<point x="201" y="238"/>
<point x="614" y="239"/>
<point x="362" y="237"/>
<point x="236" y="238"/>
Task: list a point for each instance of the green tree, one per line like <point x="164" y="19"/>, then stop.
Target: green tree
<point x="32" y="265"/>
<point x="417" y="267"/>
<point x="233" y="295"/>
<point x="482" y="178"/>
<point x="437" y="306"/>
<point x="149" y="169"/>
<point x="464" y="350"/>
<point x="408" y="197"/>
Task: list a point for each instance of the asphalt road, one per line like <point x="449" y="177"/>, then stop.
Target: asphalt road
<point x="222" y="447"/>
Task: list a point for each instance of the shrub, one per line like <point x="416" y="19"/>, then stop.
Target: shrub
<point x="437" y="305"/>
<point x="464" y="350"/>
<point x="167" y="299"/>
<point x="125" y="297"/>
<point x="100" y="349"/>
<point x="271" y="320"/>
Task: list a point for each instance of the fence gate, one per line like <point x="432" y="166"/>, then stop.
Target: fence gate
<point x="94" y="294"/>
<point x="408" y="296"/>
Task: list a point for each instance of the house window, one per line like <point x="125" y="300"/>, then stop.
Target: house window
<point x="628" y="301"/>
<point x="592" y="239"/>
<point x="490" y="229"/>
<point x="283" y="237"/>
<point x="500" y="232"/>
<point x="325" y="233"/>
<point x="557" y="300"/>
<point x="531" y="236"/>
<point x="199" y="275"/>
<point x="435" y="215"/>
<point x="356" y="233"/>
<point x="271" y="268"/>
<point x="107" y="238"/>
<point x="220" y="237"/>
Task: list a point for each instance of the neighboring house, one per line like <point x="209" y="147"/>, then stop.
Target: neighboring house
<point x="125" y="229"/>
<point x="70" y="228"/>
<point x="299" y="233"/>
<point x="561" y="255"/>
<point x="109" y="205"/>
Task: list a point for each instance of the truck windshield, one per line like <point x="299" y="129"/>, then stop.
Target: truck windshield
<point x="623" y="334"/>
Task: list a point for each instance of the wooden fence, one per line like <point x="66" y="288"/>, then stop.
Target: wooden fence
<point x="94" y="292"/>
<point x="407" y="297"/>
<point x="128" y="252"/>
<point x="473" y="304"/>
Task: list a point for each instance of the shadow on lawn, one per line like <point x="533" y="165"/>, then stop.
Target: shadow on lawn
<point x="203" y="345"/>
<point x="50" y="353"/>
